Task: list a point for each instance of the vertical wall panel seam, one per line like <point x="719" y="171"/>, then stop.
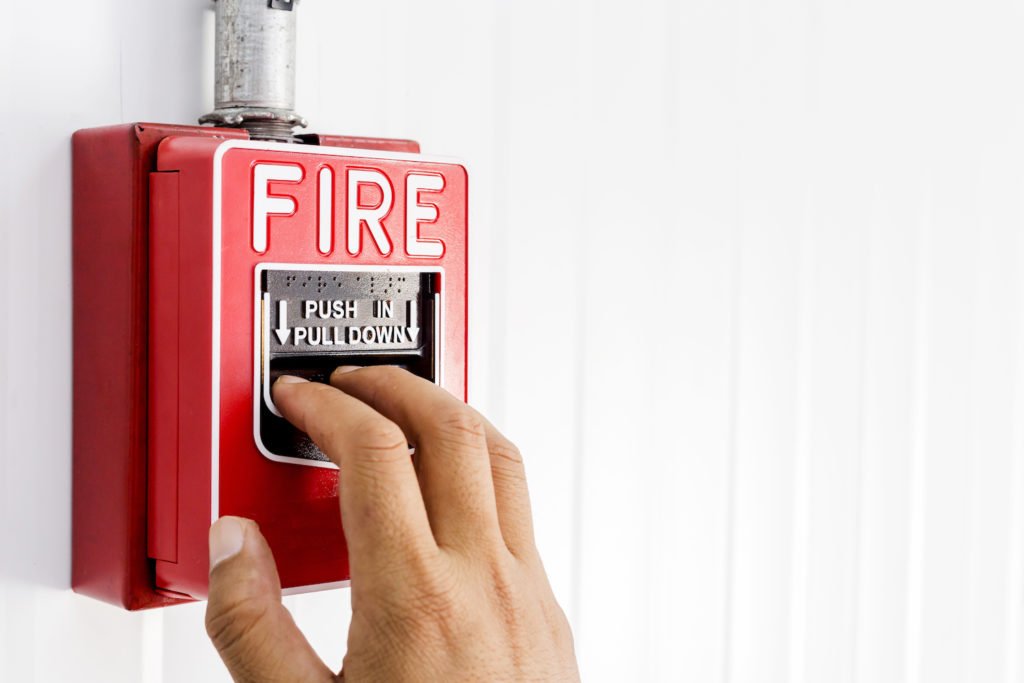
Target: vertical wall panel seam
<point x="918" y="492"/>
<point x="973" y="461"/>
<point x="798" y="570"/>
<point x="1015" y="578"/>
<point x="575" y="610"/>
<point x="735" y="330"/>
<point x="860" y="528"/>
<point x="499" y="219"/>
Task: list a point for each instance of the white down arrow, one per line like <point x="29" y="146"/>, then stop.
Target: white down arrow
<point x="282" y="330"/>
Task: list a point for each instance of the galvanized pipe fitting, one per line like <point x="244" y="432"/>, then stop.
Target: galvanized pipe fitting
<point x="255" y="63"/>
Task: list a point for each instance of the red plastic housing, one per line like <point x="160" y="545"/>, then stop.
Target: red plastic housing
<point x="165" y="259"/>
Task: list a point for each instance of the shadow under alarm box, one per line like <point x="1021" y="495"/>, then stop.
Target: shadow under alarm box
<point x="205" y="266"/>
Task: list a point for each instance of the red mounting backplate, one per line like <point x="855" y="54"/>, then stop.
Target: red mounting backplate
<point x="140" y="514"/>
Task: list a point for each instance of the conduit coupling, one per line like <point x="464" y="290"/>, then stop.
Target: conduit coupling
<point x="255" y="65"/>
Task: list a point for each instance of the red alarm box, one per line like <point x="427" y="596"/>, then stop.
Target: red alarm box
<point x="257" y="259"/>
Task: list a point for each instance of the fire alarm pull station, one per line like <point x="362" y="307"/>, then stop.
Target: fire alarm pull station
<point x="208" y="261"/>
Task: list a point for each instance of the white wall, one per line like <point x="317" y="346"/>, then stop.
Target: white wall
<point x="748" y="291"/>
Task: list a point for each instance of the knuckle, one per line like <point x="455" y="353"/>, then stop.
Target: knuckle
<point x="461" y="427"/>
<point x="507" y="453"/>
<point x="507" y="466"/>
<point x="378" y="440"/>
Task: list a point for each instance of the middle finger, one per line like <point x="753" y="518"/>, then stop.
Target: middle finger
<point x="451" y="450"/>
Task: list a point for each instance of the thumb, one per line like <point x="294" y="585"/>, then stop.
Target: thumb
<point x="253" y="632"/>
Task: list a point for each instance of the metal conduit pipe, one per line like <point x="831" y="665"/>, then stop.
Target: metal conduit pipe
<point x="255" y="68"/>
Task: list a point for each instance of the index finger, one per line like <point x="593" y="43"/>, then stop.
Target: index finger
<point x="382" y="509"/>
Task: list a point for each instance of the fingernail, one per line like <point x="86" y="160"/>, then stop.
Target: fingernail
<point x="290" y="379"/>
<point x="226" y="539"/>
<point x="347" y="368"/>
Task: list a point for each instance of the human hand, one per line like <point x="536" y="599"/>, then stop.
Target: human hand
<point x="447" y="584"/>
